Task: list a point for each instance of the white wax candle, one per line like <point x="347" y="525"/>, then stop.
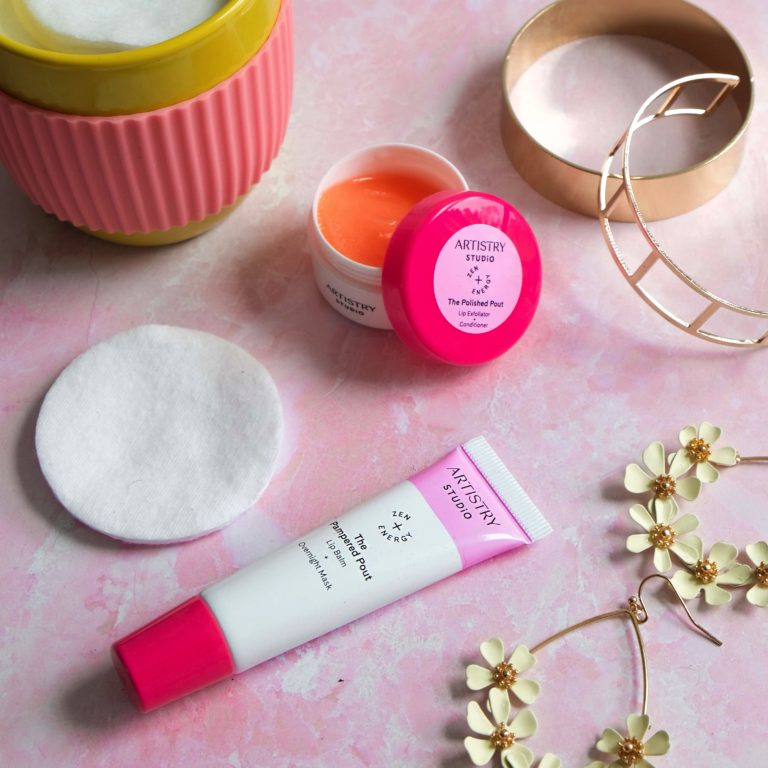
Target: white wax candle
<point x="111" y="25"/>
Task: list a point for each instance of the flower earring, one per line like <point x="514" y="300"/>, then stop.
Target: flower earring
<point x="497" y="733"/>
<point x="682" y="475"/>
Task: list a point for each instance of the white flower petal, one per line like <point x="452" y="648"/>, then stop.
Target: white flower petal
<point x="478" y="677"/>
<point x="478" y="721"/>
<point x="758" y="596"/>
<point x="680" y="464"/>
<point x="715" y="595"/>
<point x="517" y="756"/>
<point x="550" y="761"/>
<point x="609" y="741"/>
<point x="526" y="690"/>
<point x="686" y="524"/>
<point x="758" y="553"/>
<point x="686" y="584"/>
<point x="661" y="560"/>
<point x="689" y="487"/>
<point x="480" y="751"/>
<point x="687" y="434"/>
<point x="709" y="433"/>
<point x="493" y="651"/>
<point x="637" y="480"/>
<point x="658" y="744"/>
<point x="498" y="703"/>
<point x="598" y="764"/>
<point x="723" y="554"/>
<point x="642" y="516"/>
<point x="725" y="457"/>
<point x="665" y="510"/>
<point x="637" y="726"/>
<point x="707" y="473"/>
<point x="697" y="544"/>
<point x="524" y="724"/>
<point x="643" y="764"/>
<point x="737" y="576"/>
<point x="522" y="659"/>
<point x="654" y="457"/>
<point x="638" y="542"/>
<point x="685" y="552"/>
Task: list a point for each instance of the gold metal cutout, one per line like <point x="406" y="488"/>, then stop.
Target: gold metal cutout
<point x="610" y="198"/>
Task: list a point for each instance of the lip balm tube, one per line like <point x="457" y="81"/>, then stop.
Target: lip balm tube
<point x="462" y="510"/>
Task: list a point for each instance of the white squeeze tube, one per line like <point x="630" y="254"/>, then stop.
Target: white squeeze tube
<point x="462" y="510"/>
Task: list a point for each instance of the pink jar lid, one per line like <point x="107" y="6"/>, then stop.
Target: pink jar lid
<point x="462" y="277"/>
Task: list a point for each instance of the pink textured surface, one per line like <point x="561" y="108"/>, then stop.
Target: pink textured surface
<point x="155" y="170"/>
<point x="596" y="378"/>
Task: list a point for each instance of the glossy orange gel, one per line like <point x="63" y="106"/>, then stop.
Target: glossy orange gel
<point x="358" y="216"/>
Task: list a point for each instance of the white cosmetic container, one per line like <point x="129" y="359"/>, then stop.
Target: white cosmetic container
<point x="351" y="288"/>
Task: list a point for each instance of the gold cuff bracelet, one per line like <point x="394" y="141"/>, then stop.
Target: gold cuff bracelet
<point x="674" y="22"/>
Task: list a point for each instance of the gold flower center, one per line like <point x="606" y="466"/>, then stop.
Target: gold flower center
<point x="662" y="536"/>
<point x="631" y="752"/>
<point x="504" y="676"/>
<point x="762" y="574"/>
<point x="706" y="571"/>
<point x="699" y="450"/>
<point x="502" y="737"/>
<point x="664" y="486"/>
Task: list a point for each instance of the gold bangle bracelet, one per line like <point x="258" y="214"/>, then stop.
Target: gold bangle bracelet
<point x="675" y="22"/>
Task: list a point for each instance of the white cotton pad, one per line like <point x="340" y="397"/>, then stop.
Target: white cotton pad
<point x="160" y="434"/>
<point x="111" y="25"/>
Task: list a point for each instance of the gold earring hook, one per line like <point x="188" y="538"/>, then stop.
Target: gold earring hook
<point x="750" y="459"/>
<point x="622" y="613"/>
<point x="637" y="613"/>
<point x="637" y="605"/>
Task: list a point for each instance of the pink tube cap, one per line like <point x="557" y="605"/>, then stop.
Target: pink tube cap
<point x="462" y="277"/>
<point x="181" y="652"/>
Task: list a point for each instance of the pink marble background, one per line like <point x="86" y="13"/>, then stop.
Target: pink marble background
<point x="596" y="378"/>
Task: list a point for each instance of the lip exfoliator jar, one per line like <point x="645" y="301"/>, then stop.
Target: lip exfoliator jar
<point x="400" y="242"/>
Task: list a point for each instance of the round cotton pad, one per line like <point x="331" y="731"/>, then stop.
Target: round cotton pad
<point x="111" y="25"/>
<point x="160" y="434"/>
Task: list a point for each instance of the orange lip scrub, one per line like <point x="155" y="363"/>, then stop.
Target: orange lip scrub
<point x="358" y="216"/>
<point x="357" y="208"/>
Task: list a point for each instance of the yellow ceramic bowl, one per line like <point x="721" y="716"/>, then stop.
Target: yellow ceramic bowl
<point x="140" y="79"/>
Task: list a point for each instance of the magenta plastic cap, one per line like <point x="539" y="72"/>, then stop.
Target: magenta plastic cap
<point x="462" y="277"/>
<point x="181" y="652"/>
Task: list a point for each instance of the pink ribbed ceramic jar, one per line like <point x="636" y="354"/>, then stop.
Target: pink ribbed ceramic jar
<point x="162" y="176"/>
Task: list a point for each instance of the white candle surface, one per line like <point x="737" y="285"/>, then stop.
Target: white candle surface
<point x="88" y="26"/>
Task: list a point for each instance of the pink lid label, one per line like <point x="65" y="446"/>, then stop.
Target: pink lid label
<point x="478" y="278"/>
